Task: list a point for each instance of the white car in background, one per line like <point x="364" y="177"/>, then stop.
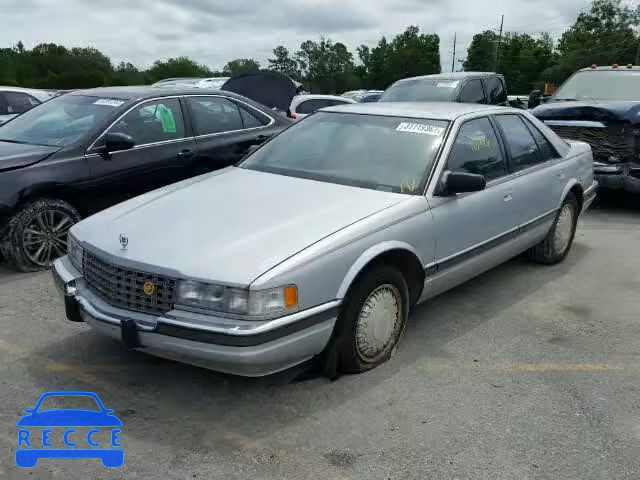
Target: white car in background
<point x="303" y="105"/>
<point x="17" y="100"/>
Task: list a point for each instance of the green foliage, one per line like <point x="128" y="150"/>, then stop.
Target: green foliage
<point x="605" y="33"/>
<point x="176" y="67"/>
<point x="240" y="66"/>
<point x="283" y="62"/>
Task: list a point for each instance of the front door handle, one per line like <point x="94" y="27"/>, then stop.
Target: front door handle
<point x="186" y="153"/>
<point x="508" y="195"/>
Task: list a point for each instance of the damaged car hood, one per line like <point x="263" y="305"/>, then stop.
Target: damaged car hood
<point x="591" y="110"/>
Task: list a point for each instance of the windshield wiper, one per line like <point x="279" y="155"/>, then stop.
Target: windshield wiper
<point x="13" y="141"/>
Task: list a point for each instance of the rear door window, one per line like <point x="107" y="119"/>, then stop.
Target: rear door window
<point x="472" y="92"/>
<point x="252" y="119"/>
<point x="496" y="93"/>
<point x="310" y="106"/>
<point x="547" y="150"/>
<point x="476" y="150"/>
<point x="18" y="102"/>
<point x="214" y="115"/>
<point x="520" y="143"/>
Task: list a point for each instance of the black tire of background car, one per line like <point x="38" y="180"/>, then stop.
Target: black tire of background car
<point x="340" y="356"/>
<point x="11" y="247"/>
<point x="545" y="251"/>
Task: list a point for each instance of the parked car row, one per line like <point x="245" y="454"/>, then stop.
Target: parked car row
<point x="229" y="237"/>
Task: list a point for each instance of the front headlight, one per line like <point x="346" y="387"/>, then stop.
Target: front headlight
<point x="252" y="303"/>
<point x="74" y="250"/>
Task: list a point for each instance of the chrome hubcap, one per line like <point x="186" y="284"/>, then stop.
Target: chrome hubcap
<point x="45" y="237"/>
<point x="378" y="323"/>
<point x="564" y="227"/>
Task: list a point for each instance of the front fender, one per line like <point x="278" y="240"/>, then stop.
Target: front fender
<point x="366" y="258"/>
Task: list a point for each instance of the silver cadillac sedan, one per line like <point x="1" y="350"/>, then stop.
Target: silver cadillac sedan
<point x="319" y="243"/>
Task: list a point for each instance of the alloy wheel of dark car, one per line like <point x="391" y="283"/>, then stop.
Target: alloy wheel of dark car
<point x="45" y="237"/>
<point x="37" y="235"/>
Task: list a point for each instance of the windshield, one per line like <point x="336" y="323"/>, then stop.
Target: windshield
<point x="61" y="121"/>
<point x="601" y="85"/>
<point x="380" y="153"/>
<point x="420" y="90"/>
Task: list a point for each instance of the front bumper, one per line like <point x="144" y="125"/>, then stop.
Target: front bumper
<point x="239" y="347"/>
<point x="624" y="176"/>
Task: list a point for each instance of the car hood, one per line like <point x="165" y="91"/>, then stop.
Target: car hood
<point x="69" y="418"/>
<point x="6" y="118"/>
<point x="230" y="226"/>
<point x="267" y="87"/>
<point x="593" y="110"/>
<point x="17" y="155"/>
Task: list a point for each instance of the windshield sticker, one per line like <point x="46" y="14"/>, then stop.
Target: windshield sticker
<point x="423" y="128"/>
<point x="408" y="185"/>
<point x="166" y="116"/>
<point x="451" y="84"/>
<point x="480" y="144"/>
<point x="109" y="102"/>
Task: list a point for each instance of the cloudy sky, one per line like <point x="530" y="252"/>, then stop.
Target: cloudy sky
<point x="215" y="31"/>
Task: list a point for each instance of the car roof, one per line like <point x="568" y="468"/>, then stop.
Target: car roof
<point x="313" y="96"/>
<point x="611" y="68"/>
<point x="451" y="76"/>
<point x="150" y="91"/>
<point x="432" y="110"/>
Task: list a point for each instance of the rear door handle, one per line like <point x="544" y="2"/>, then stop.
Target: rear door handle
<point x="186" y="153"/>
<point x="261" y="139"/>
<point x="561" y="175"/>
<point x="508" y="195"/>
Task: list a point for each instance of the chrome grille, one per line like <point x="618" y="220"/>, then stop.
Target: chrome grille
<point x="123" y="287"/>
<point x="615" y="143"/>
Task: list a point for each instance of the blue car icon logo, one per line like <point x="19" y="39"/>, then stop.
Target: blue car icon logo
<point x="82" y="433"/>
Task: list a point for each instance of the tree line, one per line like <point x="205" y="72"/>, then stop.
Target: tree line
<point x="604" y="33"/>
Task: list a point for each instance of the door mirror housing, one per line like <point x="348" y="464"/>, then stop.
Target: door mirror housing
<point x="461" y="182"/>
<point x="535" y="98"/>
<point x="118" y="141"/>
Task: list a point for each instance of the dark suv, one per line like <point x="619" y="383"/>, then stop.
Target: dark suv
<point x="87" y="150"/>
<point x="601" y="106"/>
<point x="464" y="87"/>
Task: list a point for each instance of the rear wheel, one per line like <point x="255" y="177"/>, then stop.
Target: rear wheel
<point x="370" y="324"/>
<point x="35" y="236"/>
<point x="556" y="245"/>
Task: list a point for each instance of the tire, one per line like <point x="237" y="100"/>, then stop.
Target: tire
<point x="43" y="223"/>
<point x="556" y="245"/>
<point x="357" y="345"/>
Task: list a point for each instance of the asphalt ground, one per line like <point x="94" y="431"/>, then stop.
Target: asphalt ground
<point x="525" y="372"/>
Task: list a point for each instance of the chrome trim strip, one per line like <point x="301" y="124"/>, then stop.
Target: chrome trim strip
<point x="255" y="328"/>
<point x="574" y="123"/>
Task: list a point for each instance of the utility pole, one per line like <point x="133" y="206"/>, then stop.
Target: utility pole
<point x="453" y="61"/>
<point x="499" y="44"/>
<point x="638" y="53"/>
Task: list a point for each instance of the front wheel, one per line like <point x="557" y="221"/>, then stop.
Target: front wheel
<point x="370" y="324"/>
<point x="35" y="236"/>
<point x="556" y="245"/>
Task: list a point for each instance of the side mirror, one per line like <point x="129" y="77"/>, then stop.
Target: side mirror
<point x="118" y="141"/>
<point x="460" y="182"/>
<point x="535" y="97"/>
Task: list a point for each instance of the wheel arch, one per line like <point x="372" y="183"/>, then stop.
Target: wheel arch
<point x="396" y="253"/>
<point x="574" y="187"/>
